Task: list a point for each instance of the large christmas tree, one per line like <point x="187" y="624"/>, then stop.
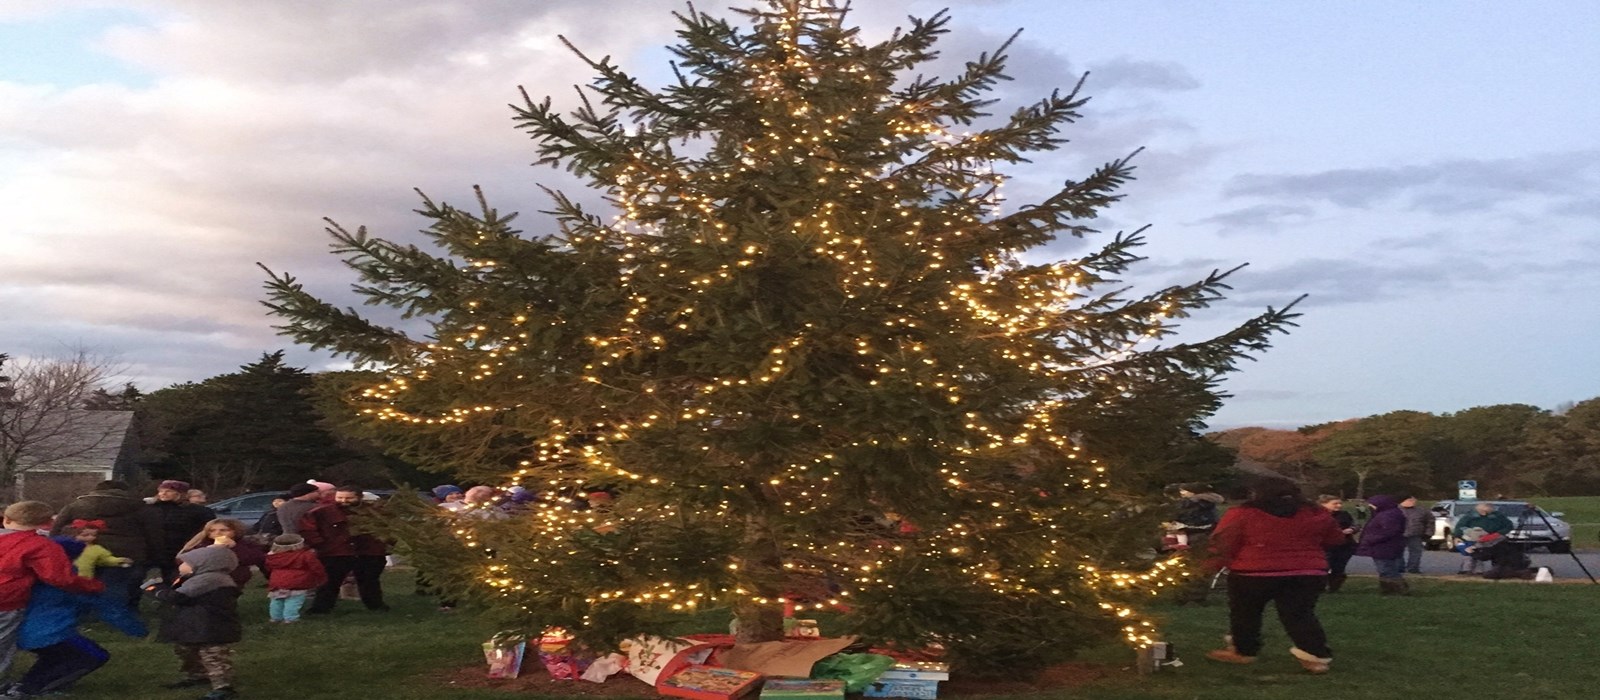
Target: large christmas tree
<point x="809" y="353"/>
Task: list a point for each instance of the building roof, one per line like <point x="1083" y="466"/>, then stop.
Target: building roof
<point x="84" y="440"/>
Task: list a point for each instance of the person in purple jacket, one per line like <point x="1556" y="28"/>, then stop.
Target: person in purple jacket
<point x="1384" y="539"/>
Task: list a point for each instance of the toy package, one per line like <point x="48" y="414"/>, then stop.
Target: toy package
<point x="504" y="655"/>
<point x="709" y="683"/>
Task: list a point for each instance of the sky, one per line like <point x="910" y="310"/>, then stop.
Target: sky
<point x="1428" y="173"/>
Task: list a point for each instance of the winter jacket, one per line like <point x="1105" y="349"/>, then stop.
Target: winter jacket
<point x="93" y="557"/>
<point x="1384" y="537"/>
<point x="27" y="557"/>
<point x="1494" y="522"/>
<point x="1346" y="521"/>
<point x="179" y="523"/>
<point x="133" y="528"/>
<point x="1198" y="512"/>
<point x="249" y="554"/>
<point x="295" y="570"/>
<point x="291" y="513"/>
<point x="1419" y="521"/>
<point x="206" y="619"/>
<point x="268" y="526"/>
<point x="1250" y="540"/>
<point x="205" y="603"/>
<point x="53" y="613"/>
<point x="327" y="530"/>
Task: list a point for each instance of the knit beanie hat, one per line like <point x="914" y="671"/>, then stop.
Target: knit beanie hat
<point x="299" y="490"/>
<point x="288" y="542"/>
<point x="174" y="485"/>
<point x="443" y="491"/>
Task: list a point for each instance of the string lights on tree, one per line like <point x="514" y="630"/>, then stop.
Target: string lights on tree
<point x="807" y="350"/>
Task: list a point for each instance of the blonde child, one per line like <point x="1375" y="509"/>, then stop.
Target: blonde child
<point x="94" y="556"/>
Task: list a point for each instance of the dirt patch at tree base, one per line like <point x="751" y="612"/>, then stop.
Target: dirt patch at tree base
<point x="534" y="681"/>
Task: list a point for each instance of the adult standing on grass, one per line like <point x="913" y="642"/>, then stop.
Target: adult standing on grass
<point x="132" y="529"/>
<point x="1195" y="516"/>
<point x="1484" y="520"/>
<point x="180" y="520"/>
<point x="1419" y="524"/>
<point x="302" y="498"/>
<point x="1273" y="547"/>
<point x="343" y="550"/>
<point x="1384" y="539"/>
<point x="1339" y="555"/>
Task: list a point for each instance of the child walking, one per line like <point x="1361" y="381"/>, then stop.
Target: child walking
<point x="296" y="573"/>
<point x="94" y="555"/>
<point x="204" y="620"/>
<point x="27" y="557"/>
<point x="63" y="656"/>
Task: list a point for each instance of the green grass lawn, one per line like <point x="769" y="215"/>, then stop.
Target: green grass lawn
<point x="1498" y="639"/>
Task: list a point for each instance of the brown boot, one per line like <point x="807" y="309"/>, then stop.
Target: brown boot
<point x="1228" y="654"/>
<point x="1387" y="587"/>
<point x="1335" y="582"/>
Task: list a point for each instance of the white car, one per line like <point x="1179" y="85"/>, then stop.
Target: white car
<point x="1532" y="526"/>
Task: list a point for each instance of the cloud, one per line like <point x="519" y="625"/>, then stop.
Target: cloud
<point x="1127" y="73"/>
<point x="139" y="211"/>
<point x="1445" y="187"/>
<point x="1260" y="217"/>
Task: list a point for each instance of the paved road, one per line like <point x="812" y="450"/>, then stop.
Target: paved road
<point x="1443" y="563"/>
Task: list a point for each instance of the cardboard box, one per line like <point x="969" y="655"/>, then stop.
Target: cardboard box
<point x="915" y="690"/>
<point x="802" y="689"/>
<point x="709" y="683"/>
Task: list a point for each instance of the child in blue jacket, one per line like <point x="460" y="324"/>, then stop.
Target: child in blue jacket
<point x="50" y="631"/>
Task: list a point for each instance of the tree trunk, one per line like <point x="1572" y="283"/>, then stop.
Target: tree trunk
<point x="1361" y="486"/>
<point x="761" y="569"/>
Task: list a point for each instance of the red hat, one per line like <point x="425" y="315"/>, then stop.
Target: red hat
<point x="174" y="485"/>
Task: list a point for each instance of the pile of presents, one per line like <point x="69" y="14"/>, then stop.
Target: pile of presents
<point x="714" y="667"/>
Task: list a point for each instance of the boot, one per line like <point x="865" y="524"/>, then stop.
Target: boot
<point x="1404" y="587"/>
<point x="1310" y="662"/>
<point x="1388" y="587"/>
<point x="1228" y="654"/>
<point x="1335" y="582"/>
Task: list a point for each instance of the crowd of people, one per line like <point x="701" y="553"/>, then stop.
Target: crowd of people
<point x="1279" y="547"/>
<point x="109" y="549"/>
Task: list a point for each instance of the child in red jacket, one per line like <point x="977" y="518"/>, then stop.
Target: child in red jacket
<point x="27" y="557"/>
<point x="295" y="573"/>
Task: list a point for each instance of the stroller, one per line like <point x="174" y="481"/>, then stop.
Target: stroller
<point x="1506" y="558"/>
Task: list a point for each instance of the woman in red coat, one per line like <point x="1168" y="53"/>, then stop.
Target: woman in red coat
<point x="1274" y="549"/>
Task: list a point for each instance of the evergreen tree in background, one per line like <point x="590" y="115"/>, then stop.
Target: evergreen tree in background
<point x="810" y="353"/>
<point x="254" y="428"/>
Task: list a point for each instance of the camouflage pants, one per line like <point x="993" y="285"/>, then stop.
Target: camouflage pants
<point x="208" y="661"/>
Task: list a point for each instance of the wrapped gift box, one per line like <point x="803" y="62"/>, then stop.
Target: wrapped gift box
<point x="709" y="683"/>
<point x="915" y="690"/>
<point x="802" y="689"/>
<point x="917" y="671"/>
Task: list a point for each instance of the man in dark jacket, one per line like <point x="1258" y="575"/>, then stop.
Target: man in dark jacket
<point x="1419" y="525"/>
<point x="180" y="520"/>
<point x="1384" y="539"/>
<point x="133" y="530"/>
<point x="328" y="530"/>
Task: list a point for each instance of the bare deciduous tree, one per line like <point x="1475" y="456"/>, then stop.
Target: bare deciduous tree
<point x="43" y="423"/>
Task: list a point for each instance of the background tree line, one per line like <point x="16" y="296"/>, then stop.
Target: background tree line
<point x="1514" y="450"/>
